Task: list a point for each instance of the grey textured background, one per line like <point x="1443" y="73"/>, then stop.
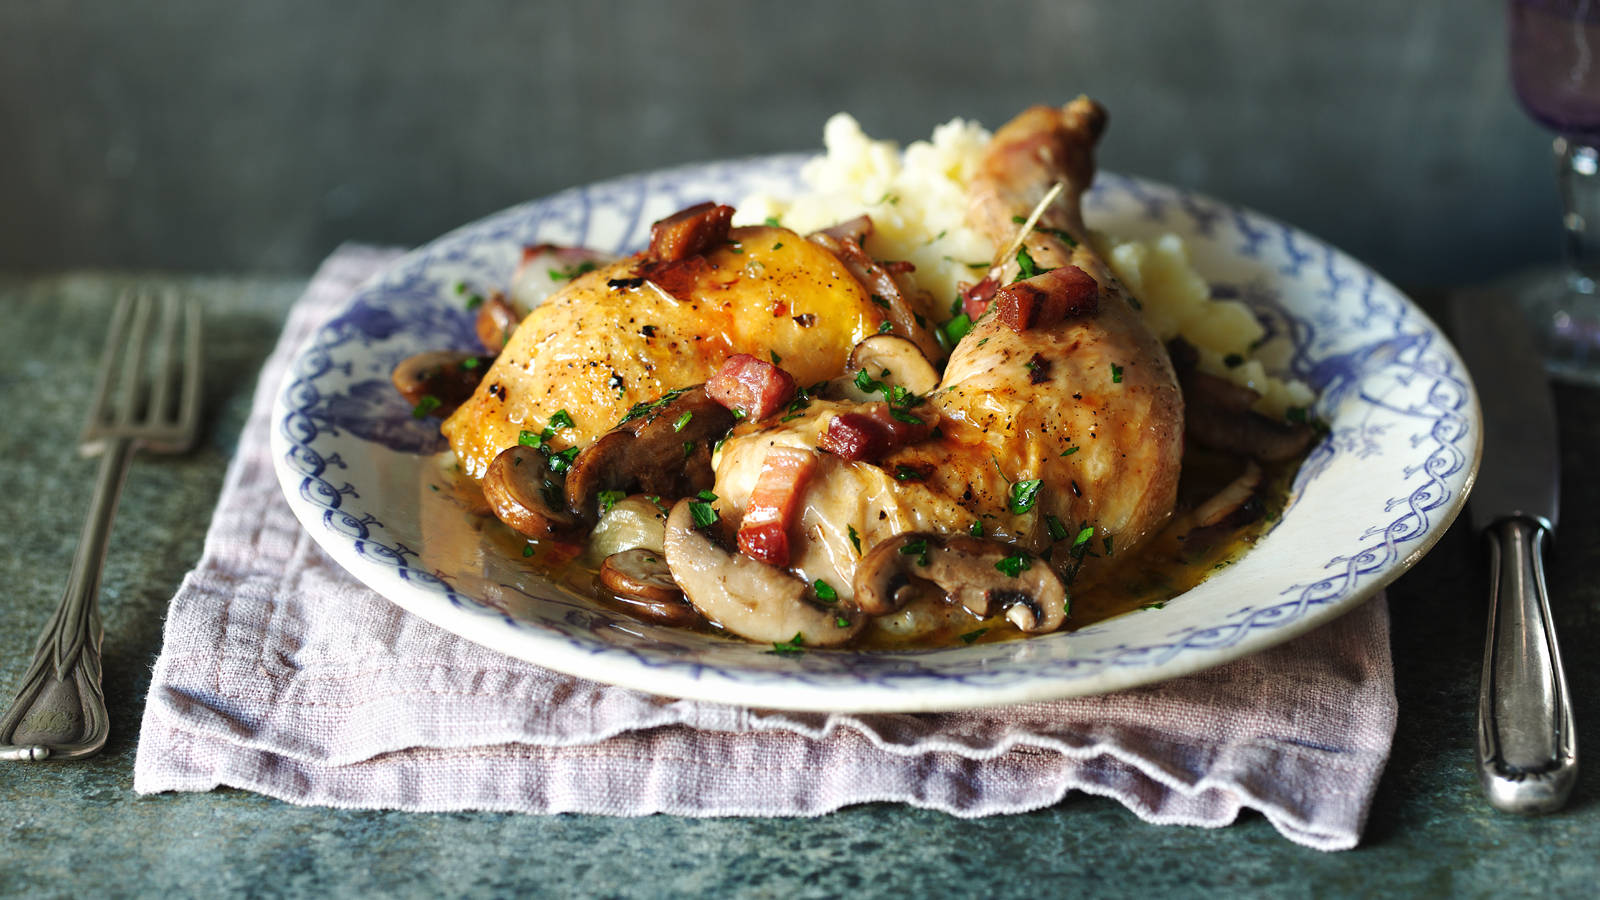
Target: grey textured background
<point x="206" y="135"/>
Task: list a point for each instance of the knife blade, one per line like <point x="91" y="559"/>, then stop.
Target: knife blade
<point x="1527" y="748"/>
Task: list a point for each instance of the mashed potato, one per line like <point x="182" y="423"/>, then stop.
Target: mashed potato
<point x="918" y="203"/>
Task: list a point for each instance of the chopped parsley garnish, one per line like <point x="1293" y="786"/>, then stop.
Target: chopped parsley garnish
<point x="1294" y="414"/>
<point x="903" y="416"/>
<point x="778" y="246"/>
<point x="688" y="449"/>
<point x="527" y="550"/>
<point x="1158" y="605"/>
<point x="1057" y="530"/>
<point x="702" y="512"/>
<point x="880" y="301"/>
<point x="644" y="409"/>
<point x="906" y="473"/>
<point x="427" y="404"/>
<point x="559" y="463"/>
<point x="885" y="327"/>
<point x="855" y="539"/>
<point x="1083" y="537"/>
<point x="792" y="647"/>
<point x="1116" y="374"/>
<point x="707" y="495"/>
<point x="1233" y="360"/>
<point x="971" y="636"/>
<point x="1028" y="267"/>
<point x="461" y="287"/>
<point x="474" y="301"/>
<point x="956" y="329"/>
<point x="1107" y="541"/>
<point x="561" y="420"/>
<point x="1024" y="494"/>
<point x="1015" y="564"/>
<point x="841" y="621"/>
<point x="917" y="548"/>
<point x="825" y="591"/>
<point x="867" y="383"/>
<point x="572" y="271"/>
<point x="529" y="439"/>
<point x="609" y="499"/>
<point x="469" y="363"/>
<point x="776" y="359"/>
<point x="976" y="528"/>
<point x="682" y="421"/>
<point x="772" y="222"/>
<point x="1070" y="450"/>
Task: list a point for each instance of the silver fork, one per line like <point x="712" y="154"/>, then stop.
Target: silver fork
<point x="146" y="396"/>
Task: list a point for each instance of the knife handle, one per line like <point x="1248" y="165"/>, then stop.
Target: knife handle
<point x="1527" y="749"/>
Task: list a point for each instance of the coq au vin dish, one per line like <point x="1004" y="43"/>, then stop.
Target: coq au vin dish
<point x="920" y="405"/>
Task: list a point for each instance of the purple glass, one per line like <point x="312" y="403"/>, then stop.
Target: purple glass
<point x="1555" y="69"/>
<point x="1555" y="64"/>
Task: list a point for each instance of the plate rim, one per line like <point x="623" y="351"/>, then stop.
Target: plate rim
<point x="708" y="684"/>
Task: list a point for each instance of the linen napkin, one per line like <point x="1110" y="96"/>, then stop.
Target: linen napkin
<point x="282" y="674"/>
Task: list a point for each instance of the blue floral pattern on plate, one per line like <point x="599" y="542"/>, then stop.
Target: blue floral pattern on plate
<point x="1377" y="491"/>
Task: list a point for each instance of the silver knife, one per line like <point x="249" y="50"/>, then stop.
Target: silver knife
<point x="1527" y="749"/>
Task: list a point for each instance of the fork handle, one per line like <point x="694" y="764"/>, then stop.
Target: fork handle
<point x="1527" y="749"/>
<point x="59" y="711"/>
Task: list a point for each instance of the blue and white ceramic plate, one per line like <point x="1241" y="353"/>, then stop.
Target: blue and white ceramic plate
<point x="1374" y="496"/>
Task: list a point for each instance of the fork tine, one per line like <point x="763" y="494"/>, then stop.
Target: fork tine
<point x="163" y="368"/>
<point x="189" y="408"/>
<point x="133" y="362"/>
<point x="116" y="335"/>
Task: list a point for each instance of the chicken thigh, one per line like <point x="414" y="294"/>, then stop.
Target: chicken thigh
<point x="1062" y="437"/>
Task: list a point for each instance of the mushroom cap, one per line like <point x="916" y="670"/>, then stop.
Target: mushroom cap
<point x="968" y="570"/>
<point x="516" y="487"/>
<point x="640" y="578"/>
<point x="497" y="318"/>
<point x="904" y="361"/>
<point x="444" y="375"/>
<point x="664" y="451"/>
<point x="751" y="599"/>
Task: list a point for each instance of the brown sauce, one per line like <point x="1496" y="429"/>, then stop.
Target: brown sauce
<point x="1139" y="582"/>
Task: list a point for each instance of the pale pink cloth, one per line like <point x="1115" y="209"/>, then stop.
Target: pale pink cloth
<point x="282" y="674"/>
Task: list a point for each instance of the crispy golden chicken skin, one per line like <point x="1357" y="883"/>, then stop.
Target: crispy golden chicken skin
<point x="614" y="338"/>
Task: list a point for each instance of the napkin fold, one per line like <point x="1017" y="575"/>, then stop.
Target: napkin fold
<point x="280" y="673"/>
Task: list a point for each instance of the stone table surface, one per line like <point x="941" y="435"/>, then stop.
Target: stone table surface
<point x="79" y="829"/>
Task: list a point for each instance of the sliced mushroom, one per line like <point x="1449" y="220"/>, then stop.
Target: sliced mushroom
<point x="970" y="572"/>
<point x="522" y="494"/>
<point x="879" y="280"/>
<point x="497" y="318"/>
<point x="857" y="229"/>
<point x="641" y="580"/>
<point x="447" y="377"/>
<point x="1219" y="414"/>
<point x="665" y="450"/>
<point x="1236" y="505"/>
<point x="752" y="600"/>
<point x="902" y="360"/>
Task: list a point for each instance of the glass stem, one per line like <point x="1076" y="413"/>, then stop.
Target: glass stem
<point x="1578" y="168"/>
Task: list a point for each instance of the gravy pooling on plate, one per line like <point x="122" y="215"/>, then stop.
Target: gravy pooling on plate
<point x="785" y="437"/>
